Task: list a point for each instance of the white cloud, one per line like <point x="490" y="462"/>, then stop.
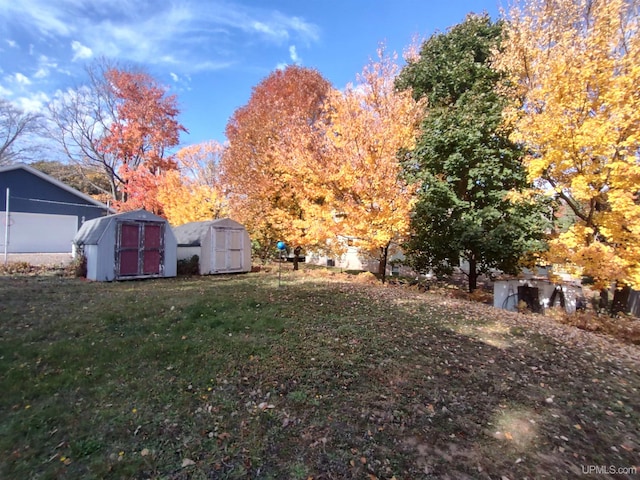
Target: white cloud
<point x="35" y="103"/>
<point x="5" y="92"/>
<point x="41" y="73"/>
<point x="273" y="31"/>
<point x="45" y="64"/>
<point x="207" y="65"/>
<point x="306" y="31"/>
<point x="188" y="35"/>
<point x="293" y="54"/>
<point x="175" y="77"/>
<point x="21" y="79"/>
<point x="12" y="43"/>
<point x="80" y="51"/>
<point x="48" y="18"/>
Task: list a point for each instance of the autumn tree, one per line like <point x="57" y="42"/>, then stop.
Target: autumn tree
<point x="145" y="128"/>
<point x="17" y="131"/>
<point x="574" y="76"/>
<point x="192" y="192"/>
<point x="270" y="140"/>
<point x="371" y="124"/>
<point x="119" y="120"/>
<point x="464" y="163"/>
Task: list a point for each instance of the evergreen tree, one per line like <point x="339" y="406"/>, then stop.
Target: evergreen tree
<point x="467" y="168"/>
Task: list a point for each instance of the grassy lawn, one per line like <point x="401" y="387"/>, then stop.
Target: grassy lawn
<point x="323" y="377"/>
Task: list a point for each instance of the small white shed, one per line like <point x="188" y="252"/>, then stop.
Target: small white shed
<point x="127" y="245"/>
<point x="222" y="246"/>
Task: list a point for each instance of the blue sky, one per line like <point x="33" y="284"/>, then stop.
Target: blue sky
<point x="209" y="53"/>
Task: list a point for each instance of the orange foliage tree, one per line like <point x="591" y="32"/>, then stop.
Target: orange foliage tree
<point x="193" y="193"/>
<point x="271" y="141"/>
<point x="574" y="72"/>
<point x="371" y="125"/>
<point x="144" y="128"/>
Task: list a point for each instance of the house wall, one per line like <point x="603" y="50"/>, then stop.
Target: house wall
<point x="27" y="192"/>
<point x="350" y="260"/>
<point x="43" y="217"/>
<point x="38" y="233"/>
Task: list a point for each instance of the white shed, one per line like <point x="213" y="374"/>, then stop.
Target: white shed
<point x="127" y="245"/>
<point x="222" y="246"/>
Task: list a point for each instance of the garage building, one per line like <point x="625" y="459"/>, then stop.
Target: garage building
<point x="44" y="213"/>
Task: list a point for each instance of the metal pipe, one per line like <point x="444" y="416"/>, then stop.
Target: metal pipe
<point x="6" y="230"/>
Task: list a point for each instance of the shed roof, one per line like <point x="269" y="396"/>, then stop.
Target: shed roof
<point x="92" y="231"/>
<point x="191" y="234"/>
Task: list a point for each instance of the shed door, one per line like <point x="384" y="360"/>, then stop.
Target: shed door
<point x="152" y="249"/>
<point x="128" y="251"/>
<point x="140" y="249"/>
<point x="234" y="242"/>
<point x="227" y="245"/>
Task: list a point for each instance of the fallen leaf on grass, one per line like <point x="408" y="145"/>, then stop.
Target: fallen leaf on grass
<point x="187" y="462"/>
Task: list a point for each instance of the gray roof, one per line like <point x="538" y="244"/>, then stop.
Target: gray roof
<point x="92" y="231"/>
<point x="191" y="234"/>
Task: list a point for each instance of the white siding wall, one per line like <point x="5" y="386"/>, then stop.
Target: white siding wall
<point x="38" y="233"/>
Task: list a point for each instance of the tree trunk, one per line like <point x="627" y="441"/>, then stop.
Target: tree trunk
<point x="296" y="257"/>
<point x="473" y="274"/>
<point x="382" y="266"/>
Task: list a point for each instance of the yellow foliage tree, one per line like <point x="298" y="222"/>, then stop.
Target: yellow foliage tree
<point x="192" y="193"/>
<point x="370" y="125"/>
<point x="574" y="68"/>
<point x="272" y="139"/>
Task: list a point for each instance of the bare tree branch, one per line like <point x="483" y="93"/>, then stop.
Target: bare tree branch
<point x="18" y="133"/>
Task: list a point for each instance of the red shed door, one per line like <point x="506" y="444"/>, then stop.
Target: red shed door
<point x="128" y="249"/>
<point x="152" y="249"/>
<point x="139" y="249"/>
